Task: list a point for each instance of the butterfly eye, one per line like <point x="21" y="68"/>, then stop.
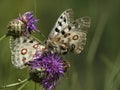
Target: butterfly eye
<point x="23" y="51"/>
<point x="35" y="46"/>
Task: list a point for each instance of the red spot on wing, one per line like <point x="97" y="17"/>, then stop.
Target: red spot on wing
<point x="35" y="46"/>
<point x="23" y="51"/>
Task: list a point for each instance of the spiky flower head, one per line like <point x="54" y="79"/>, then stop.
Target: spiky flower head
<point x="47" y="70"/>
<point x="23" y="25"/>
<point x="29" y="20"/>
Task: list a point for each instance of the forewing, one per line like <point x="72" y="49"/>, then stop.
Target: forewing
<point x="63" y="21"/>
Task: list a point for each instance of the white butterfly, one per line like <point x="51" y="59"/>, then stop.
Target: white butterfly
<point x="68" y="34"/>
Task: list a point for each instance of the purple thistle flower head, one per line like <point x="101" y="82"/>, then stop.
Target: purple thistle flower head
<point x="23" y="25"/>
<point x="29" y="20"/>
<point x="47" y="69"/>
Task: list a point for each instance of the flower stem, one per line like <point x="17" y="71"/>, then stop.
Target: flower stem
<point x="35" y="86"/>
<point x="2" y="37"/>
<point x="14" y="84"/>
<point x="22" y="86"/>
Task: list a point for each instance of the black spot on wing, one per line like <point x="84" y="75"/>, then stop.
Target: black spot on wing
<point x="64" y="20"/>
<point x="63" y="32"/>
<point x="31" y="41"/>
<point x="57" y="30"/>
<point x="72" y="48"/>
<point x="25" y="40"/>
<point x="61" y="17"/>
<point x="69" y="28"/>
<point x="60" y="24"/>
<point x="66" y="35"/>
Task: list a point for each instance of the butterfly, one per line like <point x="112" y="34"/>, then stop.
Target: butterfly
<point x="68" y="35"/>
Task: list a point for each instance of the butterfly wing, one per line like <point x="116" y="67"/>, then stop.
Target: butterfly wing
<point x="73" y="38"/>
<point x="79" y="34"/>
<point x="63" y="21"/>
<point x="69" y="34"/>
<point x="23" y="50"/>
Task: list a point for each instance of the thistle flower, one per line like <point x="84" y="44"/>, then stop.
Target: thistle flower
<point x="47" y="69"/>
<point x="29" y="20"/>
<point x="23" y="25"/>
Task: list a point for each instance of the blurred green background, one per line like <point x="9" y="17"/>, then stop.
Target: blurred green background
<point x="96" y="68"/>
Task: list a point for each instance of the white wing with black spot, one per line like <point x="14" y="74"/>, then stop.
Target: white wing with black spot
<point x="63" y="21"/>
